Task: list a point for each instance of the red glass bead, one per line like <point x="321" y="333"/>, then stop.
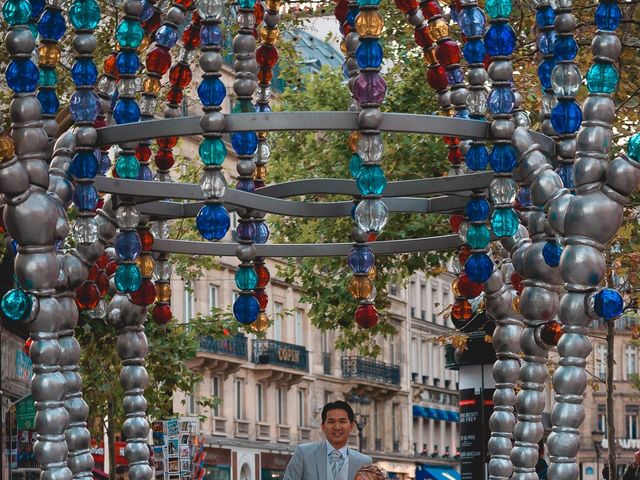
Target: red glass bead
<point x="258" y="11"/>
<point x="265" y="76"/>
<point x="102" y="261"/>
<point x="191" y="36"/>
<point x="114" y="174"/>
<point x="102" y="282"/>
<point x="100" y="122"/>
<point x="159" y="60"/>
<point x="258" y="183"/>
<point x="153" y="23"/>
<point x="437" y="77"/>
<point x="486" y="62"/>
<point x="341" y="10"/>
<point x="164" y="159"/>
<point x="112" y="266"/>
<point x="167" y="142"/>
<point x="180" y="75"/>
<point x="367" y="315"/>
<point x="185" y="3"/>
<point x="346" y="29"/>
<point x="463" y="254"/>
<point x="448" y="53"/>
<point x="110" y="65"/>
<point x="451" y="140"/>
<point x="263" y="276"/>
<point x="430" y="9"/>
<point x="100" y="203"/>
<point x="146" y="294"/>
<point x="551" y="332"/>
<point x="455" y="221"/>
<point x="93" y="273"/>
<point x="226" y="332"/>
<point x="457" y="5"/>
<point x="146" y="240"/>
<point x="143" y="153"/>
<point x="195" y="18"/>
<point x="407" y="6"/>
<point x="174" y="97"/>
<point x="461" y="310"/>
<point x="262" y="297"/>
<point x="27" y="345"/>
<point x="87" y="296"/>
<point x="468" y="288"/>
<point x="161" y="313"/>
<point x="516" y="282"/>
<point x="372" y="237"/>
<point x="422" y="37"/>
<point x="455" y="156"/>
<point x="267" y="56"/>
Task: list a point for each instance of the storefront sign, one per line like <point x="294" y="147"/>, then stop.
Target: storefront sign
<point x="217" y="456"/>
<point x="475" y="409"/>
<point x="26" y="414"/>
<point x="98" y="453"/>
<point x="274" y="461"/>
<point x="285" y="354"/>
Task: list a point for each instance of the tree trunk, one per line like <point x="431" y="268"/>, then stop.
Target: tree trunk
<point x="111" y="438"/>
<point x="611" y="429"/>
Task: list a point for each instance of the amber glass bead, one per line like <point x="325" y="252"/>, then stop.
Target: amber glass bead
<point x="461" y="310"/>
<point x="110" y="66"/>
<point x="146" y="40"/>
<point x="146" y="239"/>
<point x="360" y="287"/>
<point x="372" y="273"/>
<point x="102" y="282"/>
<point x="516" y="304"/>
<point x="258" y="11"/>
<point x="269" y="36"/>
<point x="354" y="138"/>
<point x="430" y="56"/>
<point x="145" y="264"/>
<point x="264" y="76"/>
<point x="151" y="85"/>
<point x="48" y="55"/>
<point x="163" y="292"/>
<point x="186" y="4"/>
<point x="87" y="296"/>
<point x="438" y="29"/>
<point x="262" y="135"/>
<point x="369" y="23"/>
<point x="341" y="10"/>
<point x="261" y="324"/>
<point x="261" y="171"/>
<point x="7" y="151"/>
<point x="343" y="47"/>
<point x="463" y="254"/>
<point x="407" y="6"/>
<point x="273" y="4"/>
<point x="164" y="159"/>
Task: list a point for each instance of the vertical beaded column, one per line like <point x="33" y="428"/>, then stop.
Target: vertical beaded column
<point x="545" y="19"/>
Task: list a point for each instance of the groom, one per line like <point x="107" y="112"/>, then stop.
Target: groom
<point x="329" y="459"/>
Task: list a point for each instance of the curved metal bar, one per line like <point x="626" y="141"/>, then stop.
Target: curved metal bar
<point x="304" y="121"/>
<point x="388" y="247"/>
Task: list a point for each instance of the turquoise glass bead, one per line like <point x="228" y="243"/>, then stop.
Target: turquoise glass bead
<point x="478" y="236"/>
<point x="369" y="3"/>
<point x="498" y="8"/>
<point x="504" y="222"/>
<point x="129" y="34"/>
<point x="16" y="12"/>
<point x="355" y="165"/>
<point x="48" y="77"/>
<point x="371" y="180"/>
<point x="212" y="151"/>
<point x="128" y="278"/>
<point x="16" y="304"/>
<point x="128" y="166"/>
<point x="85" y="14"/>
<point x="246" y="3"/>
<point x="602" y="78"/>
<point x="246" y="278"/>
<point x="633" y="147"/>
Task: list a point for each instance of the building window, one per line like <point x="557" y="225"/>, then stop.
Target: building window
<point x="302" y="414"/>
<point x="602" y="419"/>
<point x="423" y="301"/>
<point x="601" y="361"/>
<point x="435" y="305"/>
<point x="239" y="404"/>
<point x="189" y="304"/>
<point x="630" y="361"/>
<point x="327" y="397"/>
<point x="631" y="422"/>
<point x="260" y="402"/>
<point x="298" y="333"/>
<point x="394" y="421"/>
<point x="192" y="405"/>
<point x="213" y="297"/>
<point x="393" y="289"/>
<point x="216" y="393"/>
<point x="324" y="342"/>
<point x="281" y="399"/>
<point x="393" y="350"/>
<point x="277" y="321"/>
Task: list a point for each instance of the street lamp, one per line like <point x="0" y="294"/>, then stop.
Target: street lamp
<point x="597" y="436"/>
<point x="360" y="424"/>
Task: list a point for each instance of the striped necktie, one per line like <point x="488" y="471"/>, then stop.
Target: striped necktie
<point x="337" y="461"/>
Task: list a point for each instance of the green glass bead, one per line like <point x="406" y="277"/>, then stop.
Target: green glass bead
<point x="633" y="147"/>
<point x="85" y="14"/>
<point x="246" y="278"/>
<point x="355" y="165"/>
<point x="371" y="180"/>
<point x="128" y="278"/>
<point x="16" y="304"/>
<point x="48" y="77"/>
<point x="128" y="166"/>
<point x="246" y="3"/>
<point x="33" y="26"/>
<point x="16" y="12"/>
<point x="602" y="78"/>
<point x="478" y="236"/>
<point x="504" y="222"/>
<point x="129" y="34"/>
<point x="244" y="106"/>
<point x="212" y="151"/>
<point x="498" y="8"/>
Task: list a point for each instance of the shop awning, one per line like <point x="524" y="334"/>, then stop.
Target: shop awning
<point x="435" y="413"/>
<point x="436" y="473"/>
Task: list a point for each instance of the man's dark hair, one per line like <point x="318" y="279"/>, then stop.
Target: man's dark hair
<point x="338" y="405"/>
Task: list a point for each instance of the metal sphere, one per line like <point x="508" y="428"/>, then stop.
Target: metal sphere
<point x="500" y="71"/>
<point x="133" y="8"/>
<point x="566" y="148"/>
<point x="132" y="345"/>
<point x="84" y="43"/>
<point x="271" y="20"/>
<point x="502" y="129"/>
<point x="211" y="61"/>
<point x="135" y="427"/>
<point x="594" y="138"/>
<point x="244" y="43"/>
<point x="50" y="387"/>
<point x="558" y="211"/>
<point x="593" y="205"/>
<point x="244" y="87"/>
<point x="599" y="108"/>
<point x="459" y="96"/>
<point x="582" y="264"/>
<point x="477" y="76"/>
<point x="20" y="42"/>
<point x="25" y="109"/>
<point x="521" y="140"/>
<point x="175" y="15"/>
<point x="623" y="175"/>
<point x="134" y="403"/>
<point x="588" y="170"/>
<point x="369" y="118"/>
<point x="565" y="22"/>
<point x="606" y="45"/>
<point x="416" y="19"/>
<point x="246" y="253"/>
<point x="545" y="185"/>
<point x="249" y="65"/>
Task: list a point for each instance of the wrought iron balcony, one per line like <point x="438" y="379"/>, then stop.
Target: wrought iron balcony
<point x="288" y="355"/>
<point x="235" y="346"/>
<point x="366" y="369"/>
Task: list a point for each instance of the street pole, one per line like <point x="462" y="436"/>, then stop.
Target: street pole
<point x="611" y="429"/>
<point x="597" y="447"/>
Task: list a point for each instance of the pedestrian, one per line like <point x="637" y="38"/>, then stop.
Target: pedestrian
<point x="330" y="459"/>
<point x="541" y="466"/>
<point x="633" y="470"/>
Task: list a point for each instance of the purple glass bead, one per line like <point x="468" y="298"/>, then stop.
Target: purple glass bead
<point x="246" y="230"/>
<point x="246" y="186"/>
<point x="369" y="87"/>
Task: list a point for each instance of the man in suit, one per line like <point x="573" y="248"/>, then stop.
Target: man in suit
<point x="329" y="459"/>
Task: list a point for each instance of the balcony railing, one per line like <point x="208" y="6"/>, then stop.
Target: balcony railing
<point x="287" y="355"/>
<point x="367" y="369"/>
<point x="326" y="363"/>
<point x="235" y="346"/>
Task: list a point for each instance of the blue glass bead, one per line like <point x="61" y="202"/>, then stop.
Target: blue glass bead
<point x="85" y="14"/>
<point x="498" y="8"/>
<point x="371" y="180"/>
<point x="211" y="35"/>
<point x="145" y="173"/>
<point x="105" y="163"/>
<point x="566" y="117"/>
<point x="126" y="111"/>
<point x="16" y="12"/>
<point x="14" y="248"/>
<point x="455" y="14"/>
<point x="16" y="305"/>
<point x="474" y="51"/>
<point x="565" y="172"/>
<point x="524" y="196"/>
<point x="263" y="107"/>
<point x="355" y="165"/>
<point x="212" y="151"/>
<point x="345" y="70"/>
<point x="477" y="210"/>
<point x="369" y="53"/>
<point x="551" y="252"/>
<point x="213" y="221"/>
<point x="353" y="210"/>
<point x="37" y="6"/>
<point x="128" y="167"/>
<point x="608" y="16"/>
<point x="48" y="77"/>
<point x="500" y="40"/>
<point x="462" y="113"/>
<point x="49" y="101"/>
<point x="261" y="234"/>
<point x="478" y="236"/>
<point x="22" y="75"/>
<point x="545" y="42"/>
<point x="545" y="17"/>
<point x="167" y="36"/>
<point x="128" y="245"/>
<point x="246" y="278"/>
<point x="128" y="62"/>
<point x="633" y="147"/>
<point x="477" y="158"/>
<point x="602" y="78"/>
<point x="130" y="34"/>
<point x="455" y="76"/>
<point x="244" y="143"/>
<point x="246" y="185"/>
<point x="361" y="259"/>
<point x="472" y="21"/>
<point x="246" y="309"/>
<point x="84" y="72"/>
<point x="501" y="100"/>
<point x="51" y="25"/>
<point x="84" y="164"/>
<point x="544" y="72"/>
<point x="351" y="16"/>
<point x="565" y="48"/>
<point x="211" y="91"/>
<point x="85" y="197"/>
<point x="502" y="158"/>
<point x="478" y="267"/>
<point x="128" y="278"/>
<point x="147" y="11"/>
<point x="504" y="222"/>
<point x="608" y="303"/>
<point x="84" y="106"/>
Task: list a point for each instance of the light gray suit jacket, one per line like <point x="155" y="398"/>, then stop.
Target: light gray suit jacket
<point x="309" y="462"/>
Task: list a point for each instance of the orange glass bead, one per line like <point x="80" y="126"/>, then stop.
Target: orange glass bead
<point x="516" y="304"/>
<point x="369" y="23"/>
<point x="261" y="324"/>
<point x="438" y="29"/>
<point x="151" y="85"/>
<point x="354" y="138"/>
<point x="273" y="4"/>
<point x="343" y="47"/>
<point x="360" y="287"/>
<point x="163" y="292"/>
<point x="7" y="151"/>
<point x="372" y="273"/>
<point x="261" y="171"/>
<point x="145" y="264"/>
<point x="262" y="135"/>
<point x="551" y="332"/>
<point x="269" y="36"/>
<point x="461" y="310"/>
<point x="146" y="40"/>
<point x="49" y="55"/>
<point x="265" y="76"/>
<point x="110" y="65"/>
<point x="430" y="56"/>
